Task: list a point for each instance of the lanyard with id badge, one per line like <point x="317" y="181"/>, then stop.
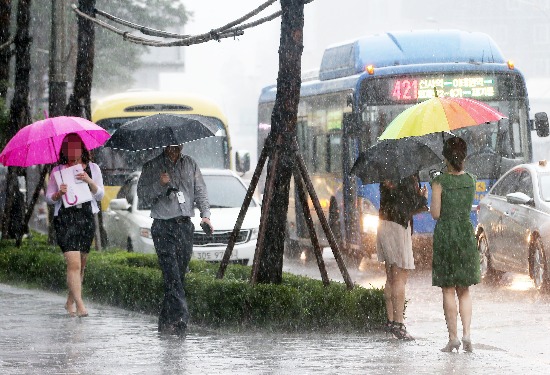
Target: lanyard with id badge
<point x="179" y="194"/>
<point x="181" y="197"/>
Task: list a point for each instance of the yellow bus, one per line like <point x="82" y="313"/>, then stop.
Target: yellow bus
<point x="112" y="111"/>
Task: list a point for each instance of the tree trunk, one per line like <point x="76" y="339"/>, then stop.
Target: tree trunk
<point x="5" y="53"/>
<point x="283" y="123"/>
<point x="19" y="115"/>
<point x="80" y="102"/>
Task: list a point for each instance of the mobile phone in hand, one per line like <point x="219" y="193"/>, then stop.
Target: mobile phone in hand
<point x="77" y="170"/>
<point x="206" y="228"/>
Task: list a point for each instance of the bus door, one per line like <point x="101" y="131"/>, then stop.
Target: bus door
<point x="305" y="148"/>
<point x="350" y="144"/>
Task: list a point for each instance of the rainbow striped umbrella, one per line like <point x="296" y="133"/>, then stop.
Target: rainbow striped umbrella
<point x="440" y="114"/>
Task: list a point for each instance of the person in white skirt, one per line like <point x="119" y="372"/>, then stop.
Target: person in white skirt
<point x="398" y="203"/>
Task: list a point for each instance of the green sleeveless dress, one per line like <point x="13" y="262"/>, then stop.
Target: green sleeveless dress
<point x="455" y="256"/>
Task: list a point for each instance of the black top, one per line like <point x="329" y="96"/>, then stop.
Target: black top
<point x="398" y="203"/>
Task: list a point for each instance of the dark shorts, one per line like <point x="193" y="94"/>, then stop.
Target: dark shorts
<point x="75" y="228"/>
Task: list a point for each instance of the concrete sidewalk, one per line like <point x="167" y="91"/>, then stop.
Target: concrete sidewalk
<point x="38" y="337"/>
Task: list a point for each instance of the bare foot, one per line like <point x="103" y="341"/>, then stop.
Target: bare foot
<point x="81" y="311"/>
<point x="71" y="308"/>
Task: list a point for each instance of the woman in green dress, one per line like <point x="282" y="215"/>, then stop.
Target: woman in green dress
<point x="455" y="263"/>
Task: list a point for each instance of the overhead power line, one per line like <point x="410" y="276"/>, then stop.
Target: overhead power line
<point x="232" y="29"/>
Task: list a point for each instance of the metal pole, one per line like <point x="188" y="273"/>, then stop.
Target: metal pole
<point x="244" y="208"/>
<point x="324" y="222"/>
<point x="301" y="189"/>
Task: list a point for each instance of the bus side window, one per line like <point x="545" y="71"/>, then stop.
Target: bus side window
<point x="334" y="156"/>
<point x="320" y="153"/>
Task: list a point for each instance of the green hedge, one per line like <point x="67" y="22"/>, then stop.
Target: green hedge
<point x="134" y="281"/>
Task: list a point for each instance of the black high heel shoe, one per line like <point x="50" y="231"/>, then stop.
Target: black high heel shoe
<point x="400" y="331"/>
<point x="388" y="327"/>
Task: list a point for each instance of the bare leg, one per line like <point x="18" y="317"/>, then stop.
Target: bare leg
<point x="388" y="292"/>
<point x="399" y="280"/>
<point x="83" y="260"/>
<point x="74" y="284"/>
<point x="450" y="311"/>
<point x="69" y="305"/>
<point x="465" y="309"/>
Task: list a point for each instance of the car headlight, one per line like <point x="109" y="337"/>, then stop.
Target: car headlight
<point x="145" y="232"/>
<point x="253" y="234"/>
<point x="370" y="223"/>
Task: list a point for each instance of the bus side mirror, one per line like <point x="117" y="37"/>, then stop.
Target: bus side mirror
<point x="242" y="161"/>
<point x="541" y="124"/>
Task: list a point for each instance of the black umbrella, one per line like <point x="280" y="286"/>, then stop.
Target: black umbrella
<point x="161" y="130"/>
<point x="394" y="159"/>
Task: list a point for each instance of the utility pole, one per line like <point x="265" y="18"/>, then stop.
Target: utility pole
<point x="57" y="90"/>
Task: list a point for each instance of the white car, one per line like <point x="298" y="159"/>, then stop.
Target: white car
<point x="130" y="228"/>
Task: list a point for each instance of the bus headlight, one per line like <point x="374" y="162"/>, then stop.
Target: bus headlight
<point x="370" y="223"/>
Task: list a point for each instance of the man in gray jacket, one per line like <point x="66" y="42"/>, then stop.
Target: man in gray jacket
<point x="169" y="185"/>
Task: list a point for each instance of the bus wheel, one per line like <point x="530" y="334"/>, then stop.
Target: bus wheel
<point x="129" y="245"/>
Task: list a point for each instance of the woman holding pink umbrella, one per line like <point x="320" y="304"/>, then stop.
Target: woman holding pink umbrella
<point x="74" y="225"/>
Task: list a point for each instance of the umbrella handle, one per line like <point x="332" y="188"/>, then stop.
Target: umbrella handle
<point x="73" y="202"/>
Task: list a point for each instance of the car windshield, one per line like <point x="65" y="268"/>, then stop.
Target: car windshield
<point x="225" y="191"/>
<point x="544" y="183"/>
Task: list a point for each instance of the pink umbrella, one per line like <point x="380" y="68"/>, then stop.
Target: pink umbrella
<point x="40" y="142"/>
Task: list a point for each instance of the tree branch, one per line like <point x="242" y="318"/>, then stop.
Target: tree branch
<point x="7" y="44"/>
<point x="227" y="31"/>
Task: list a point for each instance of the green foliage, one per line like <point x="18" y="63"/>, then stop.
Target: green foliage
<point x="116" y="59"/>
<point x="134" y="281"/>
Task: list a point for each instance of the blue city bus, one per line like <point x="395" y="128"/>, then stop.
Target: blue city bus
<point x="361" y="86"/>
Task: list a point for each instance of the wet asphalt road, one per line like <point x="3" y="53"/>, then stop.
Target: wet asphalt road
<point x="510" y="329"/>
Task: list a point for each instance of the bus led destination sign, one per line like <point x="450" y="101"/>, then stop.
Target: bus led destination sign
<point x="420" y="88"/>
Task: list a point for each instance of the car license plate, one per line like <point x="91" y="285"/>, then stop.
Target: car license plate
<point x="214" y="255"/>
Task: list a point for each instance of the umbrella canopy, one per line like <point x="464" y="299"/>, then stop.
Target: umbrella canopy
<point x="160" y="131"/>
<point x="40" y="142"/>
<point x="440" y="114"/>
<point x="394" y="159"/>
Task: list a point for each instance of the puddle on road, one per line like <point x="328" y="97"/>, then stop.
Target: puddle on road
<point x="36" y="337"/>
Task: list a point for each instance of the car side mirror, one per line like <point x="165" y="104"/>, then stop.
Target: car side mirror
<point x="518" y="198"/>
<point x="541" y="124"/>
<point x="242" y="161"/>
<point x="119" y="204"/>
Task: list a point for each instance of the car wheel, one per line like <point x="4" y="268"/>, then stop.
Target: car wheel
<point x="292" y="249"/>
<point x="487" y="271"/>
<point x="539" y="267"/>
<point x="129" y="245"/>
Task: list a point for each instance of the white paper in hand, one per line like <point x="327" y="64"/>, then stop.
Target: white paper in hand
<point x="77" y="192"/>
